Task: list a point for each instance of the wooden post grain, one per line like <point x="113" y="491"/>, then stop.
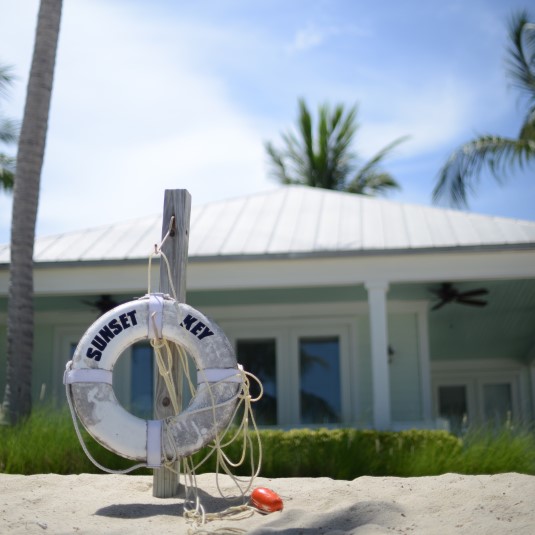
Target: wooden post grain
<point x="177" y="204"/>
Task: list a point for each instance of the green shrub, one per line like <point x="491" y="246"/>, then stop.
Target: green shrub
<point x="350" y="453"/>
<point x="46" y="443"/>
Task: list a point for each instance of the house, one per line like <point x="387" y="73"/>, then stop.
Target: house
<point x="354" y="311"/>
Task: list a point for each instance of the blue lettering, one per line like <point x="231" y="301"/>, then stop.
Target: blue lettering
<point x="93" y="354"/>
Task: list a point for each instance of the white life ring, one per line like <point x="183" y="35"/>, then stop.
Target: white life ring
<point x="89" y="378"/>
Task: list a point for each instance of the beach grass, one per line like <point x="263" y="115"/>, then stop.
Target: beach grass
<point x="47" y="443"/>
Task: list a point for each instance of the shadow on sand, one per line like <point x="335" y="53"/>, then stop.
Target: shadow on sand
<point x="347" y="519"/>
<point x="211" y="504"/>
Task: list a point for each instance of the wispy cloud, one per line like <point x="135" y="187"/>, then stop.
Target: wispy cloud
<point x="132" y="116"/>
<point x="314" y="35"/>
<point x="307" y="38"/>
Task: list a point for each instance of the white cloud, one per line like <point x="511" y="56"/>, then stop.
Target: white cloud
<point x="131" y="116"/>
<point x="211" y="163"/>
<point x="308" y="38"/>
<point x="314" y="35"/>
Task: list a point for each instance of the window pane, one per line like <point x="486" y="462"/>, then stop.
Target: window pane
<point x="258" y="357"/>
<point x="319" y="362"/>
<point x="142" y="386"/>
<point x="497" y="401"/>
<point x="453" y="405"/>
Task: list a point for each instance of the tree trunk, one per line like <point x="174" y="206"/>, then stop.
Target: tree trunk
<point x="17" y="397"/>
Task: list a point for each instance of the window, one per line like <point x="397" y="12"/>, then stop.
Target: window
<point x="303" y="363"/>
<point x="474" y="398"/>
<point x="497" y="402"/>
<point x="258" y="356"/>
<point x="319" y="364"/>
<point x="453" y="406"/>
<point x="65" y="342"/>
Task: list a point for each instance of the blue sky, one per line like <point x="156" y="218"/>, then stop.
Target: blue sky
<point x="182" y="94"/>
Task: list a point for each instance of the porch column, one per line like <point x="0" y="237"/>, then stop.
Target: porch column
<point x="379" y="345"/>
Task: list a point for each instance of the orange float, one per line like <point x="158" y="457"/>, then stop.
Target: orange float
<point x="266" y="500"/>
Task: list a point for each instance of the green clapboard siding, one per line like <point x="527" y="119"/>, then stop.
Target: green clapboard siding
<point x="405" y="388"/>
<point x="201" y="299"/>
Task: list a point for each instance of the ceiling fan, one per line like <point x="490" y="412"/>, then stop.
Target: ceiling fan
<point x="102" y="304"/>
<point x="447" y="293"/>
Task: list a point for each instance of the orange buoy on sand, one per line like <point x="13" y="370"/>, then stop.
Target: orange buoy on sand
<point x="266" y="500"/>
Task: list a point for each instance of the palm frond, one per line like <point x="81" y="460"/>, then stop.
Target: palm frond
<point x="6" y="79"/>
<point x="341" y="159"/>
<point x="462" y="171"/>
<point x="339" y="133"/>
<point x="527" y="130"/>
<point x="371" y="165"/>
<point x="278" y="168"/>
<point x="7" y="172"/>
<point x="9" y="131"/>
<point x="521" y="54"/>
<point x="320" y="155"/>
<point x="372" y="184"/>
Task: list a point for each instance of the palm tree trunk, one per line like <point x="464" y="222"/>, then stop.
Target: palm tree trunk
<point x="17" y="396"/>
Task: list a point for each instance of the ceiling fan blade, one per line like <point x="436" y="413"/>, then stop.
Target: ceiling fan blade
<point x="474" y="293"/>
<point x="444" y="294"/>
<point x="439" y="305"/>
<point x="472" y="302"/>
<point x="102" y="304"/>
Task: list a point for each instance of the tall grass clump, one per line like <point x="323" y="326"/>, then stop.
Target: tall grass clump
<point x="47" y="443"/>
<point x="491" y="450"/>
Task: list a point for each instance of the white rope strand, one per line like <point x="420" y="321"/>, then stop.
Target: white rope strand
<point x="84" y="446"/>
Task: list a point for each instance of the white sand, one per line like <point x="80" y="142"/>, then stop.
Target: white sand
<point x="104" y="504"/>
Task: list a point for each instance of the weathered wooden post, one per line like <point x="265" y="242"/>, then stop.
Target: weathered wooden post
<point x="177" y="205"/>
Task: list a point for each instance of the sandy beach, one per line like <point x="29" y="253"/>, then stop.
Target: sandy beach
<point x="116" y="504"/>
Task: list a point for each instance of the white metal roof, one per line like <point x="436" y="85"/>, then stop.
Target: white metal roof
<point x="294" y="220"/>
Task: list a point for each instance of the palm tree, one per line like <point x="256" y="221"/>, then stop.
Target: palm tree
<point x="461" y="173"/>
<point x="8" y="134"/>
<point x="17" y="396"/>
<point x="327" y="160"/>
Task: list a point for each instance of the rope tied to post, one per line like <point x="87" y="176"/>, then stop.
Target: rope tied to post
<point x="220" y="406"/>
<point x="194" y="512"/>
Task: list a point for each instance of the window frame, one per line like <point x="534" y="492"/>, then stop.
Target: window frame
<point x="286" y="324"/>
<point x="469" y="374"/>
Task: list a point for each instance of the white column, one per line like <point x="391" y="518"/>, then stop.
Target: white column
<point x="379" y="345"/>
<point x="425" y="366"/>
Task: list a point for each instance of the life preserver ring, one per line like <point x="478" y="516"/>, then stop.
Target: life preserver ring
<point x="89" y="378"/>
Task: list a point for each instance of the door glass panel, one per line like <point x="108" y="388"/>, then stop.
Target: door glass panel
<point x="258" y="356"/>
<point x="453" y="406"/>
<point x="497" y="403"/>
<point x="319" y="362"/>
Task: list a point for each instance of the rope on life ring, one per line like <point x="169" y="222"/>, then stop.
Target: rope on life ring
<point x="88" y="380"/>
